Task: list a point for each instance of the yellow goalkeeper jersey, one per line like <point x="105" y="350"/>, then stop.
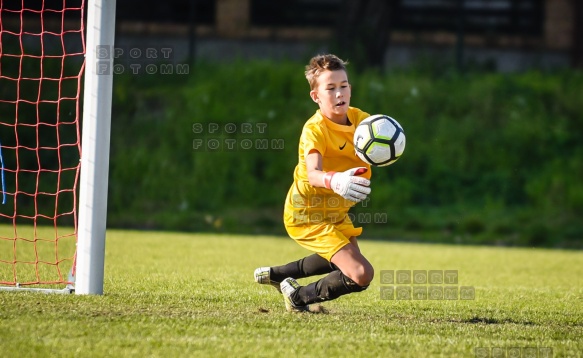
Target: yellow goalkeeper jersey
<point x="308" y="205"/>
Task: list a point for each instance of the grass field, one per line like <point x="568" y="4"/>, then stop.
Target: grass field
<point x="183" y="295"/>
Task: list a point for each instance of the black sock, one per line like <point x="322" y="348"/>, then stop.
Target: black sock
<point x="328" y="288"/>
<point x="308" y="266"/>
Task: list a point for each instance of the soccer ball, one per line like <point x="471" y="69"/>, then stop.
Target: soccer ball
<point x="379" y="140"/>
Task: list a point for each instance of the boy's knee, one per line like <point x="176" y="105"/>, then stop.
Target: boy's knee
<point x="367" y="276"/>
<point x="362" y="276"/>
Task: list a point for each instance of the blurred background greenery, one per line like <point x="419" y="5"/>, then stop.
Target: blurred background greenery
<point x="490" y="158"/>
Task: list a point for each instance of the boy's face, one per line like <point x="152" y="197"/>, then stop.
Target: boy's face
<point x="332" y="94"/>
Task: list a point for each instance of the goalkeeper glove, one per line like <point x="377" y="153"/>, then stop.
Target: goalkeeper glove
<point x="348" y="184"/>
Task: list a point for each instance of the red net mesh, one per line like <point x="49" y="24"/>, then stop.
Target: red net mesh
<point x="42" y="48"/>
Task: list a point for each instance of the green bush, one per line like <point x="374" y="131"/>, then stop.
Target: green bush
<point x="488" y="155"/>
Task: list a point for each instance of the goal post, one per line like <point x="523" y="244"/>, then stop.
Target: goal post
<point x="95" y="149"/>
<point x="54" y="181"/>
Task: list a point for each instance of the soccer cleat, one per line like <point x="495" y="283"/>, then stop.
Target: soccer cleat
<point x="288" y="287"/>
<point x="262" y="277"/>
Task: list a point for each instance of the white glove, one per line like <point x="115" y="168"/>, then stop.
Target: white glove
<point x="348" y="185"/>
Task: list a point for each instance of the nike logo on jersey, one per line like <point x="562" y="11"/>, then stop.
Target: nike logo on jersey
<point x="342" y="146"/>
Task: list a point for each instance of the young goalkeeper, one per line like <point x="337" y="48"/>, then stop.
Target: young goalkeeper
<point x="328" y="180"/>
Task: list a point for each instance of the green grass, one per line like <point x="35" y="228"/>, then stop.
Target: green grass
<point x="183" y="295"/>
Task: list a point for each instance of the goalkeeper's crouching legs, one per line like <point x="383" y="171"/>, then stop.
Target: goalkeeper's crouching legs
<point x="354" y="274"/>
<point x="332" y="286"/>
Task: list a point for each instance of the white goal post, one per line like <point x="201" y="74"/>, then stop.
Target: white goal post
<point x="90" y="257"/>
<point x="54" y="159"/>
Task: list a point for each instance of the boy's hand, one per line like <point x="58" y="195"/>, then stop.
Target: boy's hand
<point x="348" y="185"/>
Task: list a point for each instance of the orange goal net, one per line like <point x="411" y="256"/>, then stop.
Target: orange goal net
<point x="42" y="58"/>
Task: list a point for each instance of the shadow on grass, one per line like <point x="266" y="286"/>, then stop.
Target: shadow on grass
<point x="488" y="320"/>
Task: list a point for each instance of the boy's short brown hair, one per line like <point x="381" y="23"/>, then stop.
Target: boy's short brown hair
<point x="320" y="63"/>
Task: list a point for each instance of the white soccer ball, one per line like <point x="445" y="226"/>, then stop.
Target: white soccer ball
<point x="379" y="140"/>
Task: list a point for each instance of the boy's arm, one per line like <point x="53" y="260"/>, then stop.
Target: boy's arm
<point x="346" y="184"/>
<point x="314" y="168"/>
